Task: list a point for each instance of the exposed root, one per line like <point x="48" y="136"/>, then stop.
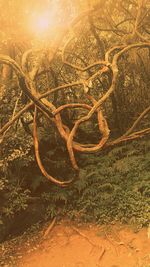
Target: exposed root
<point x="103" y="250"/>
<point x="83" y="235"/>
<point x="111" y="242"/>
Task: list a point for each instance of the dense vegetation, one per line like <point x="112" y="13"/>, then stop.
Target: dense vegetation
<point x="85" y="79"/>
<point x="112" y="186"/>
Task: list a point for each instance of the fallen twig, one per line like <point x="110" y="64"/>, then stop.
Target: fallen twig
<point x="50" y="227"/>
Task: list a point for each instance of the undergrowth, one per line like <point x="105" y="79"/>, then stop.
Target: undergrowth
<point x="112" y="186"/>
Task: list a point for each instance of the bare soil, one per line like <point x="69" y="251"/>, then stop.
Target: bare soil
<point x="78" y="245"/>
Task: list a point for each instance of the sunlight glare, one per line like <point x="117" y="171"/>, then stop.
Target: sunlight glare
<point x="42" y="24"/>
<point x="49" y="22"/>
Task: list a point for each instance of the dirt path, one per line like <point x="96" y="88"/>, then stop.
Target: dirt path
<point x="67" y="245"/>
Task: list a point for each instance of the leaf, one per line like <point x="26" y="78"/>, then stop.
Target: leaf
<point x="60" y="196"/>
<point x="81" y="184"/>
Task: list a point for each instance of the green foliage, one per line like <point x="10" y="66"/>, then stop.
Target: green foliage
<point x="14" y="195"/>
<point x="112" y="186"/>
<point x="13" y="199"/>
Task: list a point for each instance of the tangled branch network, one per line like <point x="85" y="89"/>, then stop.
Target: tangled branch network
<point x="110" y="64"/>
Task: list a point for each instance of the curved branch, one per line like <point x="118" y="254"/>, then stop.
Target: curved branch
<point x="17" y="116"/>
<point x="73" y="105"/>
<point x="101" y="100"/>
<point x="137" y="121"/>
<point x="24" y="83"/>
<point x="36" y="146"/>
<point x="104" y="130"/>
<point x="132" y="136"/>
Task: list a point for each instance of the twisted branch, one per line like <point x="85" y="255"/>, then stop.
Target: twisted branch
<point x="108" y="65"/>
